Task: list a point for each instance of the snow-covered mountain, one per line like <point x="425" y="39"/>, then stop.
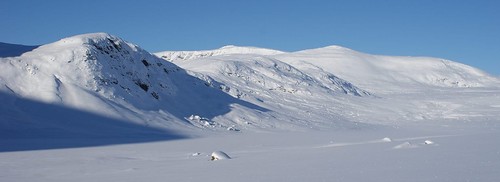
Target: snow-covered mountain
<point x="370" y="72"/>
<point x="114" y="87"/>
<point x="107" y="76"/>
<point x="317" y="83"/>
<point x="391" y="73"/>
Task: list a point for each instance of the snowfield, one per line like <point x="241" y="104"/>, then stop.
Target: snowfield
<point x="95" y="107"/>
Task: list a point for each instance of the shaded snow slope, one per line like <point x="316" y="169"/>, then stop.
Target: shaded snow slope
<point x="390" y="73"/>
<point x="13" y="50"/>
<point x="226" y="50"/>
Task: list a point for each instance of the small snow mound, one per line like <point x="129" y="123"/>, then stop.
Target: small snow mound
<point x="387" y="139"/>
<point x="405" y="145"/>
<point x="429" y="142"/>
<point x="196" y="154"/>
<point x="219" y="155"/>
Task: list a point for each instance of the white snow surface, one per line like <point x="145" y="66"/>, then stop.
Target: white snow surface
<point x="95" y="107"/>
<point x="226" y="50"/>
<point x="391" y="73"/>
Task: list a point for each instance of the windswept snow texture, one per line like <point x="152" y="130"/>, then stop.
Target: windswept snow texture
<point x="13" y="50"/>
<point x="327" y="114"/>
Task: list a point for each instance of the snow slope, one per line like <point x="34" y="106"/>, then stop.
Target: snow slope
<point x="321" y="83"/>
<point x="105" y="76"/>
<point x="391" y="73"/>
<point x="226" y="50"/>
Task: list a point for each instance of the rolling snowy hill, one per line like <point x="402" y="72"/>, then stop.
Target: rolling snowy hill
<point x="391" y="73"/>
<point x="333" y="84"/>
<point x="371" y="72"/>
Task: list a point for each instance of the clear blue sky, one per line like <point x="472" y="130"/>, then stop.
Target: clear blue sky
<point x="463" y="31"/>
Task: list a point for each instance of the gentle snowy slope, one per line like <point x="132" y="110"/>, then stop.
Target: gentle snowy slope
<point x="226" y="50"/>
<point x="391" y="73"/>
<point x="315" y="85"/>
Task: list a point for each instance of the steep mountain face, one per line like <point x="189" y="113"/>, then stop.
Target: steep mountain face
<point x="97" y="63"/>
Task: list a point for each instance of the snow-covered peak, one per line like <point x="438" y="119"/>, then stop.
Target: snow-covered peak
<point x="226" y="50"/>
<point x="331" y="48"/>
<point x="90" y="63"/>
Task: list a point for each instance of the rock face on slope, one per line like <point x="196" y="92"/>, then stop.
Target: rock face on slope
<point x="254" y="75"/>
<point x="99" y="63"/>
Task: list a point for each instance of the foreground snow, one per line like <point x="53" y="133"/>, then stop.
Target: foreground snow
<point x="462" y="152"/>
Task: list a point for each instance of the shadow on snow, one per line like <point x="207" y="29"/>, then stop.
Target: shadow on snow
<point x="31" y="125"/>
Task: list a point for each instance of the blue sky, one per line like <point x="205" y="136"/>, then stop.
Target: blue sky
<point x="463" y="31"/>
